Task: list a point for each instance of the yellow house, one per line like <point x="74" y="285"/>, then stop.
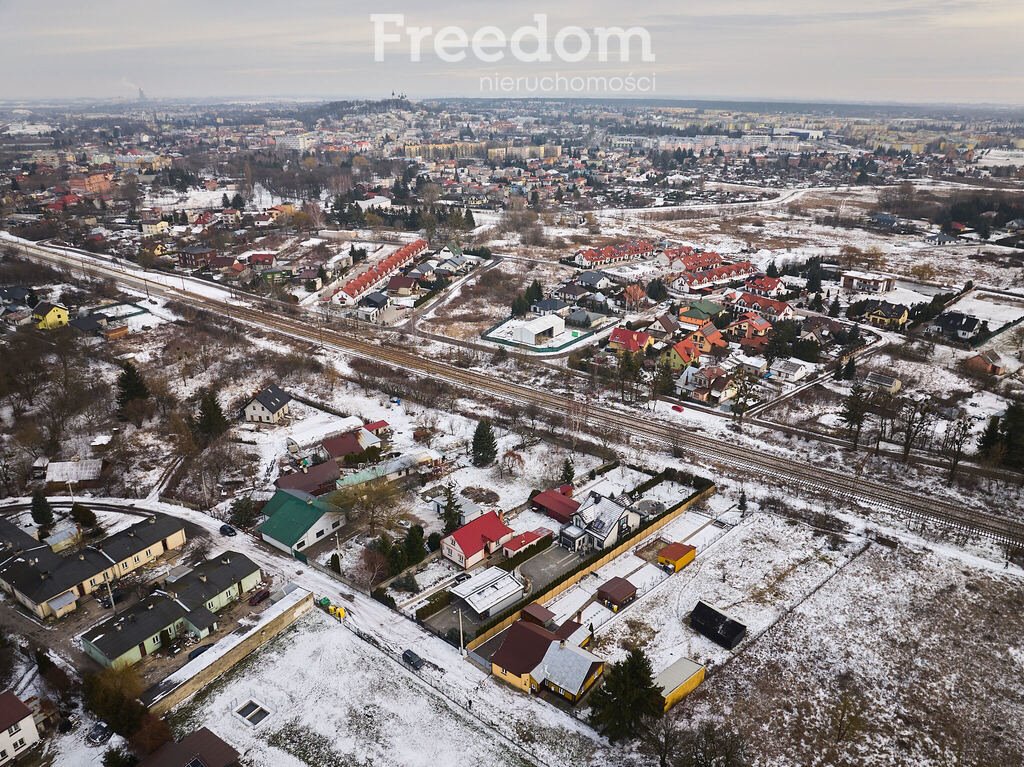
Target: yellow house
<point x="882" y="314"/>
<point x="50" y="585"/>
<point x="681" y="355"/>
<point x="49" y="316"/>
<point x="677" y="556"/>
<point x="531" y="657"/>
<point x="679" y="680"/>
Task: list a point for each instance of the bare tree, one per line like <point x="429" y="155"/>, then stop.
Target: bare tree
<point x="954" y="441"/>
<point x="913" y="419"/>
<point x="662" y="739"/>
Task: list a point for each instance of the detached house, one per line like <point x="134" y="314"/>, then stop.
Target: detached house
<point x="296" y="520"/>
<point x="49" y="316"/>
<point x="681" y="355"/>
<point x="532" y="657"/>
<point x="632" y="341"/>
<point x="599" y="523"/>
<point x="18" y="731"/>
<point x="472" y="543"/>
<point x="883" y="314"/>
<point x="269" y="406"/>
<point x="711" y="384"/>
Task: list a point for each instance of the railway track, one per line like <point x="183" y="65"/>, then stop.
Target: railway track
<point x="901" y="502"/>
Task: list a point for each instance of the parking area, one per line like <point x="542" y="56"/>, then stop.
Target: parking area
<point x="540" y="570"/>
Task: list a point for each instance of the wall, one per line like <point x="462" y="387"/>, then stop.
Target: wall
<point x="227" y="661"/>
<point x="684" y="689"/>
<point x="575" y="578"/>
<point x="326" y="525"/>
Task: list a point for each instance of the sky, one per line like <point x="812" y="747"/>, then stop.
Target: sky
<point x="898" y="51"/>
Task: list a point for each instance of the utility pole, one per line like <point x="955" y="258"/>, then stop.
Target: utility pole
<point x="462" y="646"/>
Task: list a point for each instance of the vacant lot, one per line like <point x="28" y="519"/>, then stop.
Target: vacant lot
<point x="905" y="657"/>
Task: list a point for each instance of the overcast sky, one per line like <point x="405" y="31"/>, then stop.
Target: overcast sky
<point x="909" y="51"/>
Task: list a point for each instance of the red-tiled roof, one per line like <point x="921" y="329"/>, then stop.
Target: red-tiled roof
<point x="629" y="340"/>
<point x="472" y="538"/>
<point x="523" y="540"/>
<point x="558" y="505"/>
<point x="676" y="551"/>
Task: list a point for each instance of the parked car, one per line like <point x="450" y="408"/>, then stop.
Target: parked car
<point x="462" y="577"/>
<point x="99" y="734"/>
<point x="198" y="651"/>
<point x="105" y="601"/>
<point x="228" y="530"/>
<point x="259" y="596"/>
<point x="413" y="660"/>
<point x="678" y="408"/>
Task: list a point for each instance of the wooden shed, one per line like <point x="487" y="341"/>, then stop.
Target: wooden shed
<point x="717" y="626"/>
<point x="616" y="593"/>
<point x="679" y="680"/>
<point x="676" y="556"/>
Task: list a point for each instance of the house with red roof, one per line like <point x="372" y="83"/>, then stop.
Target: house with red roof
<point x="591" y="258"/>
<point x="722" y="274"/>
<point x="768" y="308"/>
<point x="473" y="542"/>
<point x="769" y="287"/>
<point x="707" y="337"/>
<point x="681" y="355"/>
<point x="383" y="270"/>
<point x="632" y="341"/>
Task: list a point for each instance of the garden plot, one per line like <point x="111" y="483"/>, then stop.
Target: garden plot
<point x="756" y="573"/>
<point x="332" y="699"/>
<point x="917" y="651"/>
<point x="995" y="309"/>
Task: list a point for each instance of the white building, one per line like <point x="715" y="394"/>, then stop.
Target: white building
<point x="269" y="406"/>
<point x="18" y="731"/>
<point x="490" y="592"/>
<point x="539" y="329"/>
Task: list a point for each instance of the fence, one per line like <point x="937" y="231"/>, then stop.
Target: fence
<point x="573" y="578"/>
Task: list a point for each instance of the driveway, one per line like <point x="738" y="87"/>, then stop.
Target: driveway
<point x="548" y="565"/>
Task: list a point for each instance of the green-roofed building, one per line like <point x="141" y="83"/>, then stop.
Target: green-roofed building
<point x="702" y="310"/>
<point x="296" y="520"/>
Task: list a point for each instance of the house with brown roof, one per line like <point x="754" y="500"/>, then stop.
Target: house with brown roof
<point x="18" y="731"/>
<point x="201" y="748"/>
<point x="532" y="657"/>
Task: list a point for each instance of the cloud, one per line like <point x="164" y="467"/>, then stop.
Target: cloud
<point x="891" y="50"/>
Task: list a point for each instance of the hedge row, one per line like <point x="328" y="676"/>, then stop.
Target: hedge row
<point x="522" y="556"/>
<point x="435" y="603"/>
<point x="670" y="475"/>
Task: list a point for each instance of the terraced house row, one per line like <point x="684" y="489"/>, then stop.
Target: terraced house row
<point x="50" y="585"/>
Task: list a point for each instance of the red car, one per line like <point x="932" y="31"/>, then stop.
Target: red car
<point x="678" y="408"/>
<point x="259" y="596"/>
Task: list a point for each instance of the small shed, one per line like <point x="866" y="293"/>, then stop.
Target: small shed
<point x="616" y="593"/>
<point x="538" y="614"/>
<point x="679" y="680"/>
<point x="676" y="556"/>
<point x="717" y="626"/>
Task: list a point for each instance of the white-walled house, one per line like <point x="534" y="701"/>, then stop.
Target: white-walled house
<point x="269" y="406"/>
<point x="18" y="731"/>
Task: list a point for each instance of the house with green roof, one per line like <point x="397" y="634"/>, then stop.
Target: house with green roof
<point x="297" y="520"/>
